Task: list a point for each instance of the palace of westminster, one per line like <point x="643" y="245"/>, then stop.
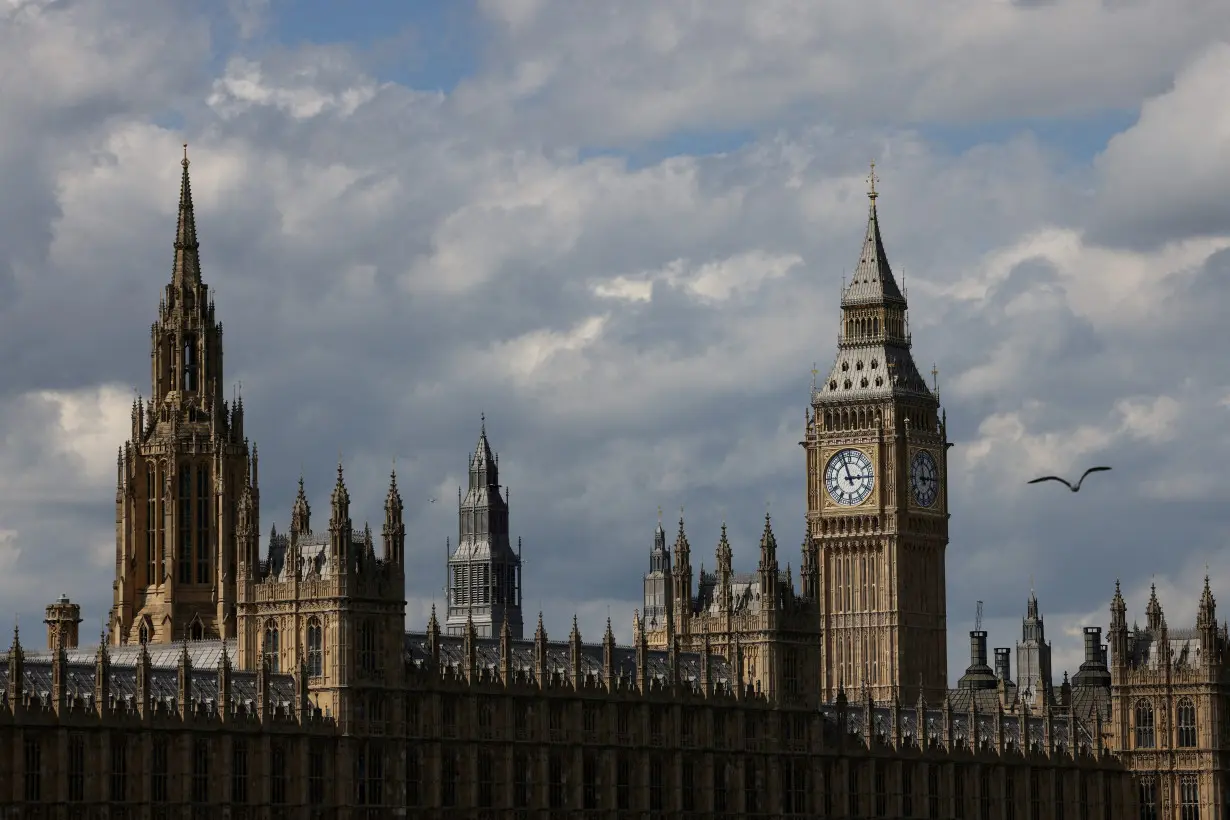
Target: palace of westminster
<point x="280" y="682"/>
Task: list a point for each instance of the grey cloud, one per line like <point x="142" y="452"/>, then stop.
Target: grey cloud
<point x="318" y="230"/>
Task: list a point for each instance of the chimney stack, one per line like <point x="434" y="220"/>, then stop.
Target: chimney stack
<point x="978" y="648"/>
<point x="1003" y="663"/>
<point x="1093" y="645"/>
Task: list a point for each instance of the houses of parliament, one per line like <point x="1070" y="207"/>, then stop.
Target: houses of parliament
<point x="245" y="679"/>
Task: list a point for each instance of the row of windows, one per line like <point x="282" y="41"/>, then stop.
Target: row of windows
<point x="368" y="654"/>
<point x="122" y="780"/>
<point x="483" y="584"/>
<point x="1185" y="724"/>
<point x="1150" y="797"/>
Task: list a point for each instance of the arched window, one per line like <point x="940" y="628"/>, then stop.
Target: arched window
<point x="315" y="649"/>
<point x="196" y="632"/>
<point x="1185" y="720"/>
<point x="203" y="510"/>
<point x="143" y="633"/>
<point x="271" y="646"/>
<point x="1144" y="725"/>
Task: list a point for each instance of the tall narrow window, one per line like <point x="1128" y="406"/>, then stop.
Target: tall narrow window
<point x="76" y="768"/>
<point x="414" y="776"/>
<point x="152" y="576"/>
<point x="270" y="652"/>
<point x="368" y="665"/>
<point x="200" y="772"/>
<point x="34" y="770"/>
<point x="315" y="649"/>
<point x="119" y="768"/>
<point x="1035" y="796"/>
<point x="688" y="783"/>
<point x="1148" y="797"/>
<point x="558" y="784"/>
<point x="1144" y="725"/>
<point x="984" y="794"/>
<point x="185" y="524"/>
<point x="203" y="507"/>
<point x="657" y="788"/>
<point x="1189" y="797"/>
<point x="522" y="779"/>
<point x="450" y="773"/>
<point x="239" y="770"/>
<point x="1186" y="723"/>
<point x="933" y="791"/>
<point x="316" y="775"/>
<point x="158" y="769"/>
<point x="277" y="773"/>
<point x="190" y="362"/>
<point x="486" y="780"/>
<point x="907" y="789"/>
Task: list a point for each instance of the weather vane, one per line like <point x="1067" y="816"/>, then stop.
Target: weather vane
<point x="814" y="371"/>
<point x="872" y="179"/>
<point x="185" y="162"/>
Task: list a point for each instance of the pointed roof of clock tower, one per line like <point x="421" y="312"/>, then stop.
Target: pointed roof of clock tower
<point x="873" y="356"/>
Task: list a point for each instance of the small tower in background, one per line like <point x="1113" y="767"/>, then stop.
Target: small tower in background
<point x="62" y="619"/>
<point x="484" y="573"/>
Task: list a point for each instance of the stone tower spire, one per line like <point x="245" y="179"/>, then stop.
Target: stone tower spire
<point x="300" y="515"/>
<point x="341" y="539"/>
<point x="484" y="572"/>
<point x="183" y="472"/>
<point x="394" y="529"/>
<point x="876" y="451"/>
<point x="768" y="568"/>
<point x="658" y="591"/>
<point x="1153" y="611"/>
<point x="682" y="580"/>
<point x="1033" y="657"/>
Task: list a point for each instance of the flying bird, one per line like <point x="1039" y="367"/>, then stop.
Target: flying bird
<point x="1067" y="483"/>
<point x="431" y="501"/>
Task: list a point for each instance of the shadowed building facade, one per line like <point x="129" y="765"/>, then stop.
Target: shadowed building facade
<point x="244" y="683"/>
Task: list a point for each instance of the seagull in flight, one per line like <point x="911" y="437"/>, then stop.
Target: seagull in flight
<point x="431" y="501"/>
<point x="1067" y="483"/>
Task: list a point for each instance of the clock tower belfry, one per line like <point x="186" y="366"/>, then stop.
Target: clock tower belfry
<point x="877" y="501"/>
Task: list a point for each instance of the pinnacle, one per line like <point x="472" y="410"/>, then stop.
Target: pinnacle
<point x="187" y="269"/>
<point x="872" y="281"/>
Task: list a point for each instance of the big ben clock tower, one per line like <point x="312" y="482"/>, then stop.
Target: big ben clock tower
<point x="877" y="501"/>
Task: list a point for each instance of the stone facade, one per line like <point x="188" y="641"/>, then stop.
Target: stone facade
<point x="236" y="684"/>
<point x="1168" y="716"/>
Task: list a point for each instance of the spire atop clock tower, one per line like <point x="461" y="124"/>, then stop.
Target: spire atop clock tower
<point x="877" y="506"/>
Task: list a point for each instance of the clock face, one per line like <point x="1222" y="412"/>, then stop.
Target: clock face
<point x="924" y="478"/>
<point x="849" y="477"/>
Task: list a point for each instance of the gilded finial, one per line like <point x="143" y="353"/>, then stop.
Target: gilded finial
<point x="184" y="162"/>
<point x="872" y="179"/>
<point x="935" y="378"/>
<point x="814" y="372"/>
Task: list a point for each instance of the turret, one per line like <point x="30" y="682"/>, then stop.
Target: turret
<point x="540" y="654"/>
<point x="102" y="677"/>
<point x="62" y="621"/>
<point x="659" y="580"/>
<point x="246" y="534"/>
<point x="809" y="573"/>
<point x="1153" y="611"/>
<point x="300" y="516"/>
<point x="608" y="657"/>
<point x="1003" y="664"/>
<point x="574" y="653"/>
<point x="339" y="524"/>
<point x="394" y="529"/>
<point x="768" y="568"/>
<point x="682" y="581"/>
<point x="1118" y="629"/>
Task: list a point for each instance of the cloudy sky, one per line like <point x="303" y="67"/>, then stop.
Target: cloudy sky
<point x="620" y="230"/>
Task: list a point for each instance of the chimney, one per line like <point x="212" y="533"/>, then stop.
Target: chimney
<point x="1003" y="663"/>
<point x="1093" y="645"/>
<point x="1105" y="655"/>
<point x="978" y="648"/>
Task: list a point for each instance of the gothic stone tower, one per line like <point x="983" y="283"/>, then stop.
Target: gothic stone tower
<point x="877" y="497"/>
<point x="484" y="574"/>
<point x="182" y="472"/>
<point x="1033" y="657"/>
